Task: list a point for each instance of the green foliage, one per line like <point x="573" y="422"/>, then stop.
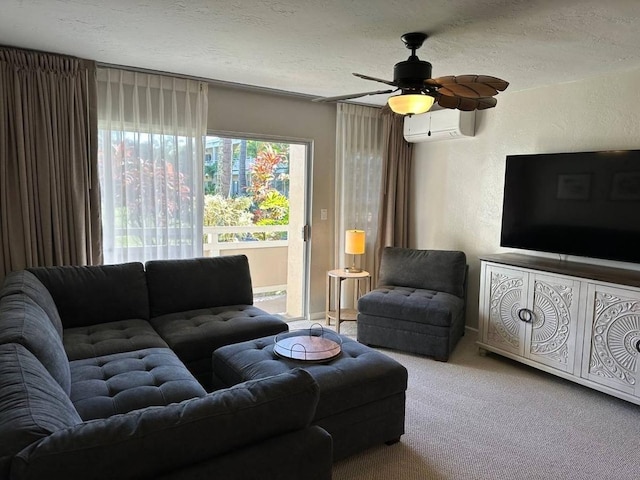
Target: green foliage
<point x="275" y="209"/>
<point x="261" y="203"/>
<point x="220" y="211"/>
<point x="227" y="211"/>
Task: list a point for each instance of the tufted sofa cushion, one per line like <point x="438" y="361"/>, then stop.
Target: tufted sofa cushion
<point x="439" y="270"/>
<point x="89" y="295"/>
<point x="411" y="304"/>
<point x="111" y="337"/>
<point x="123" y="382"/>
<point x="181" y="285"/>
<point x="32" y="403"/>
<point x="195" y="334"/>
<point x="26" y="282"/>
<point x="24" y="322"/>
<point x="358" y="376"/>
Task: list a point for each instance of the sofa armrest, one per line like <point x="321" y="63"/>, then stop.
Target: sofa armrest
<point x="145" y="443"/>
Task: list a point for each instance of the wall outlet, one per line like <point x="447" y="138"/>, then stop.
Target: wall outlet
<point x="323" y="214"/>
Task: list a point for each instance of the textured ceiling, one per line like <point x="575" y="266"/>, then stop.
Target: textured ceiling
<point x="313" y="46"/>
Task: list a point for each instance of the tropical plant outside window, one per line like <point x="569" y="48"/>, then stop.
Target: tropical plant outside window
<point x="139" y="172"/>
<point x="246" y="182"/>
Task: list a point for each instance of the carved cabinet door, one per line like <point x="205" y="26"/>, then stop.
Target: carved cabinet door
<point x="532" y="315"/>
<point x="506" y="294"/>
<point x="612" y="338"/>
<point x="553" y="320"/>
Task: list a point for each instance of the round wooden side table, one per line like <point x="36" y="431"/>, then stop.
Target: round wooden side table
<point x="335" y="278"/>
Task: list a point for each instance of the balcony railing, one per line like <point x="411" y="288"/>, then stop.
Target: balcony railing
<point x="217" y="239"/>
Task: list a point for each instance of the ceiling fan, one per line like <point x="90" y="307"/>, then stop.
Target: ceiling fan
<point x="419" y="91"/>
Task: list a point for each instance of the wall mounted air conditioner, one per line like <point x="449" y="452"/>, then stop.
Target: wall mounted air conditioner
<point x="439" y="125"/>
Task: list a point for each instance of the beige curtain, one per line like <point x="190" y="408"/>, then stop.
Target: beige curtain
<point x="396" y="167"/>
<point x="49" y="194"/>
<point x="358" y="179"/>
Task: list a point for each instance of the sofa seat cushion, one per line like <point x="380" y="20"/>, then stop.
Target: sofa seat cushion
<point x="195" y="334"/>
<point x="417" y="305"/>
<point x="23" y="321"/>
<point x="120" y="383"/>
<point x="32" y="403"/>
<point x="111" y="337"/>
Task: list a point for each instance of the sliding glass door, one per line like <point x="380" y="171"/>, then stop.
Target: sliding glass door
<point x="255" y="204"/>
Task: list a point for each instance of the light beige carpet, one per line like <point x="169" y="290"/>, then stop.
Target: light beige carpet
<point x="491" y="418"/>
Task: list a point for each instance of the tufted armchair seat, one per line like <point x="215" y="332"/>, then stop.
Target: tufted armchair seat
<point x="419" y="304"/>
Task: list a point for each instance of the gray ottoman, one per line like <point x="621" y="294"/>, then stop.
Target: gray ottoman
<point x="362" y="391"/>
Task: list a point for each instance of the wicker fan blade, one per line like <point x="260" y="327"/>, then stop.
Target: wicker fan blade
<point x="350" y="96"/>
<point x="468" y="90"/>
<point x="469" y="86"/>
<point x="374" y="79"/>
<point x="466" y="104"/>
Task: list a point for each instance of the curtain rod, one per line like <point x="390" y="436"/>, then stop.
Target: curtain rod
<point x="222" y="83"/>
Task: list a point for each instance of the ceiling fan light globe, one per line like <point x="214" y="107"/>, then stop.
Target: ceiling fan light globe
<point x="410" y="104"/>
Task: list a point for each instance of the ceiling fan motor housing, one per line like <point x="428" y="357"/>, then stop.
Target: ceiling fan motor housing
<point x="411" y="74"/>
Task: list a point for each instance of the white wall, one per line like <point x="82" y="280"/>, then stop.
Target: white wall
<point x="456" y="200"/>
<point x="256" y="113"/>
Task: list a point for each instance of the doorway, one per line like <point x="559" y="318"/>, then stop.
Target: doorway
<point x="255" y="204"/>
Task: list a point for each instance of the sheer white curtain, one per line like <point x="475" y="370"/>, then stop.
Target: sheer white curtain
<point x="151" y="132"/>
<point x="359" y="143"/>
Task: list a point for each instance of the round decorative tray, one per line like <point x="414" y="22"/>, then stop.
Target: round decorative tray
<point x="313" y="344"/>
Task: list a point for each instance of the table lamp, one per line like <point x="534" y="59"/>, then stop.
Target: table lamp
<point x="354" y="245"/>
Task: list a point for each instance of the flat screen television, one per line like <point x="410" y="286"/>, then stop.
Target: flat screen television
<point x="585" y="204"/>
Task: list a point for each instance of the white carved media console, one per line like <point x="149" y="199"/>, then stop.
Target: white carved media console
<point x="578" y="321"/>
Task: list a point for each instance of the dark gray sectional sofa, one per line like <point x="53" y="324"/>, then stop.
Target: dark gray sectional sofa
<point x="99" y="370"/>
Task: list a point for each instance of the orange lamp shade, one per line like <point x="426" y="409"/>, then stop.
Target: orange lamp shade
<point x="354" y="242"/>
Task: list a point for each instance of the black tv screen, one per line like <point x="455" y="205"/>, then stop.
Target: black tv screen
<point x="585" y="204"/>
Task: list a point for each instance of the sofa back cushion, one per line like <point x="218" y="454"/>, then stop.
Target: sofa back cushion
<point x="23" y="321"/>
<point x="32" y="404"/>
<point x="26" y="282"/>
<point x="181" y="285"/>
<point x="90" y="295"/>
<point x="439" y="270"/>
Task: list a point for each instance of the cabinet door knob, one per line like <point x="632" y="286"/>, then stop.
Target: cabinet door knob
<point x="525" y="315"/>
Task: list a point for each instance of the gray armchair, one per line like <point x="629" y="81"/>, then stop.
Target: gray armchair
<point x="419" y="303"/>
